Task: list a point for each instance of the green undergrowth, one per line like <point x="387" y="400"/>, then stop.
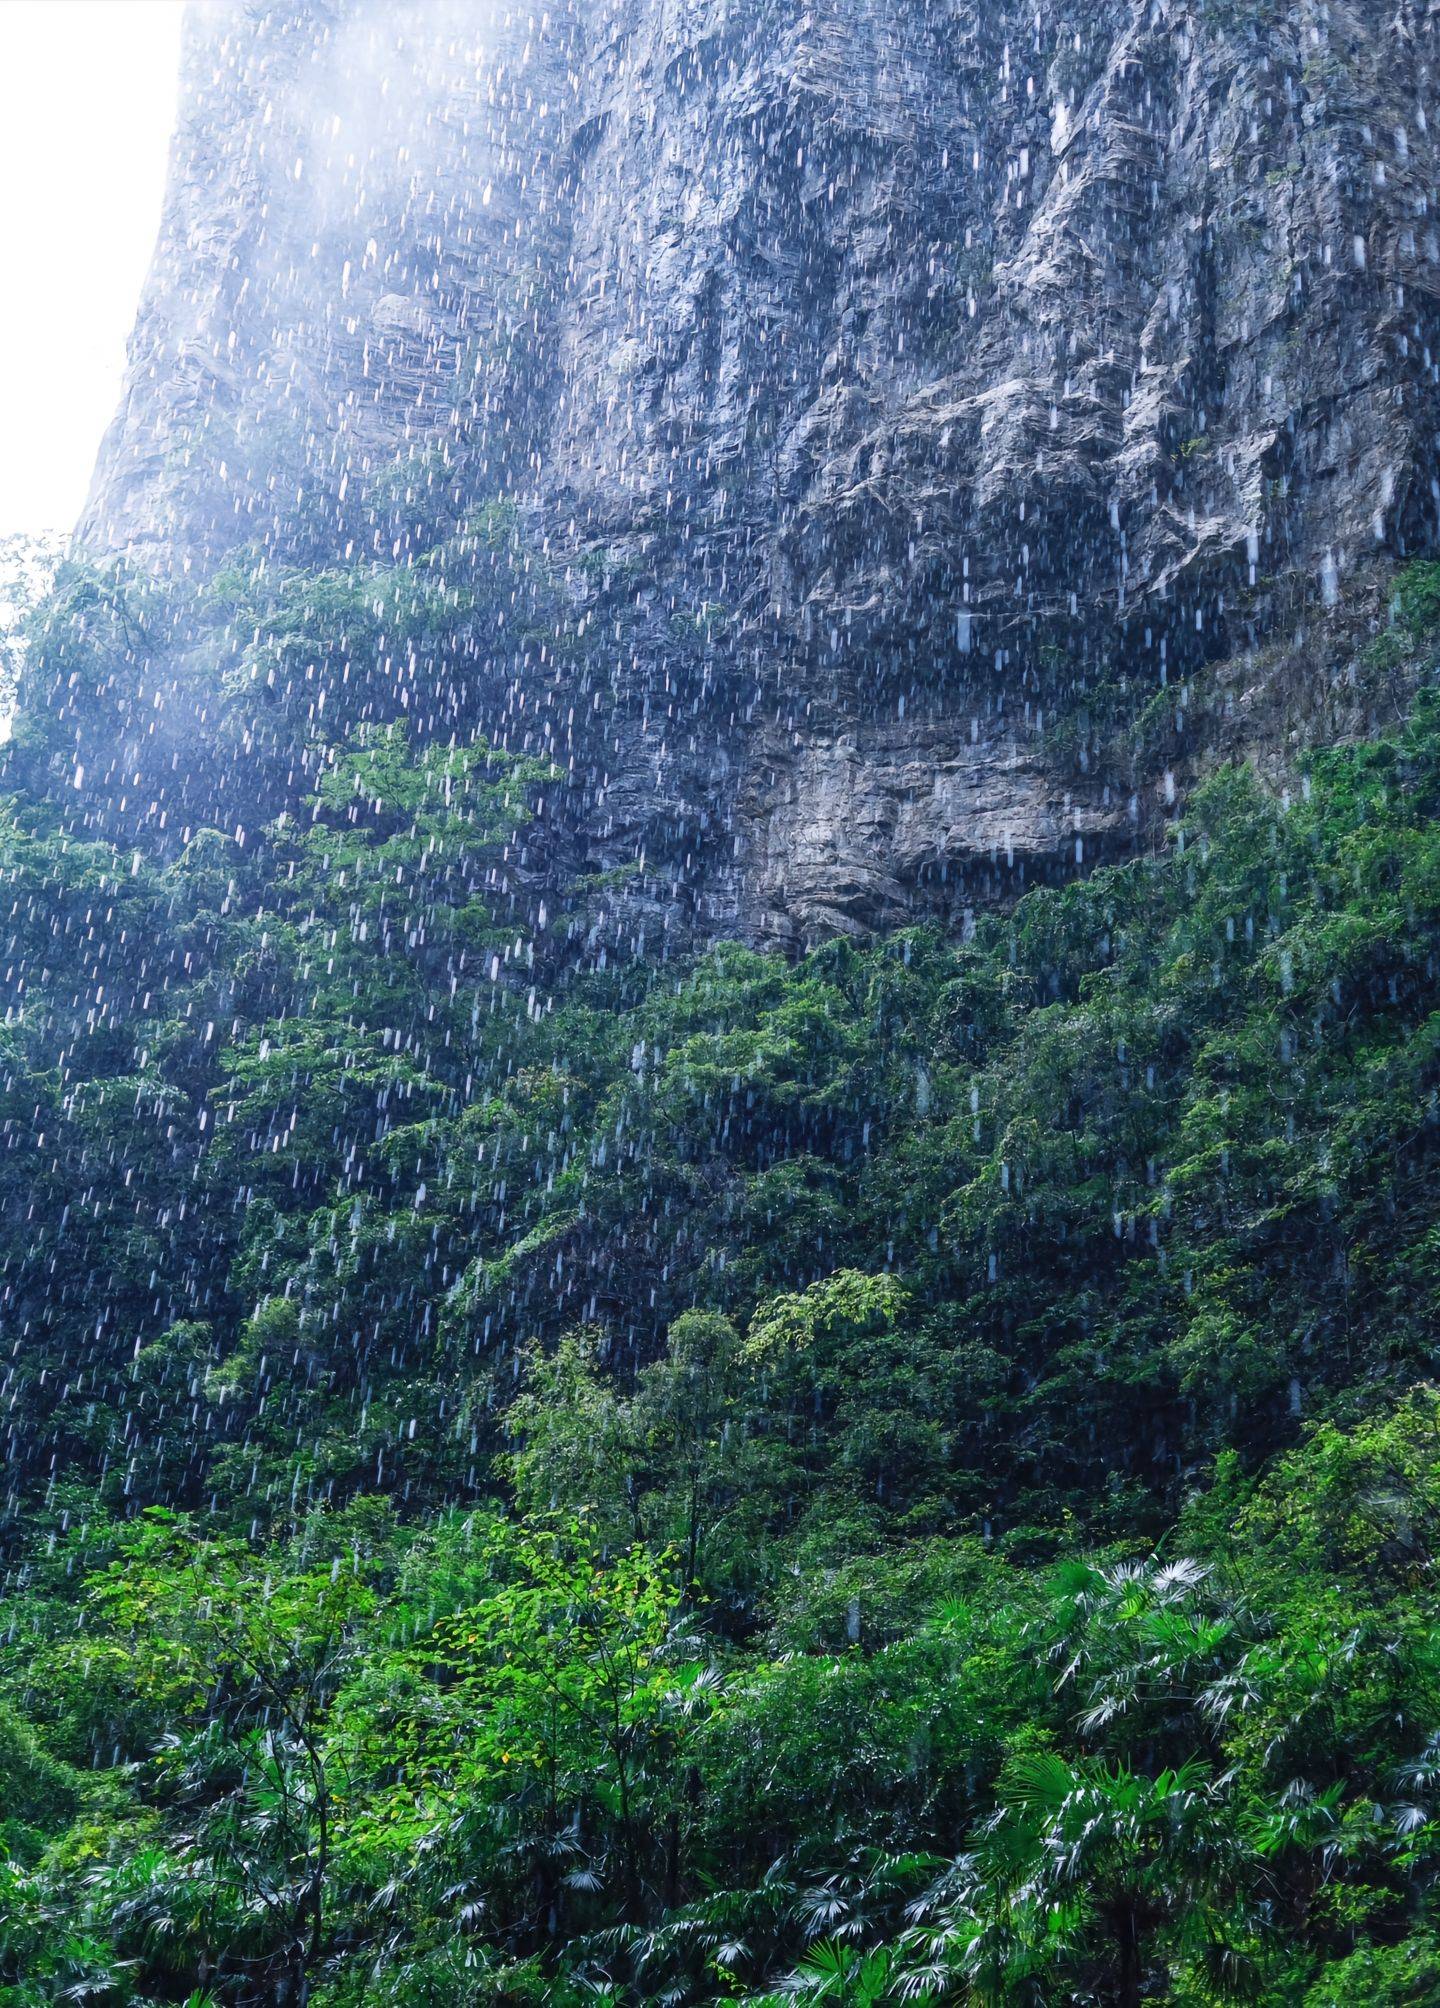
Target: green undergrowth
<point x="905" y="1475"/>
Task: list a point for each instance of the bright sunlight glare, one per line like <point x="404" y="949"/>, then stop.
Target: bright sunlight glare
<point x="87" y="102"/>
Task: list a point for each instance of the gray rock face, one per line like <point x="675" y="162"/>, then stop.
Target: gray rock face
<point x="850" y="831"/>
<point x="912" y="363"/>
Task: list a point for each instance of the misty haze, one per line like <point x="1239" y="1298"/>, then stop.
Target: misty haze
<point x="720" y="912"/>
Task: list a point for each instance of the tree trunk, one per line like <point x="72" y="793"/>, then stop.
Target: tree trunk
<point x="1132" y="1969"/>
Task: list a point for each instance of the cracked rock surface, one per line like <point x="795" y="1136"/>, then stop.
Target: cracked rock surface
<point x="912" y="362"/>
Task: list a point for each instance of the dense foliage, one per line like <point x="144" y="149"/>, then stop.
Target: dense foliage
<point x="907" y="1475"/>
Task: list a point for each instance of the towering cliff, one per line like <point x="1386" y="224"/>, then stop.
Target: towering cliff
<point x="548" y="1456"/>
<point x="872" y="380"/>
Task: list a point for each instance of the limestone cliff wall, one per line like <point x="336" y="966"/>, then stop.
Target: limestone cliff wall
<point x="910" y="363"/>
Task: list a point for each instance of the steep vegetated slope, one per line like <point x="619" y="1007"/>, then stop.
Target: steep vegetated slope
<point x="720" y="898"/>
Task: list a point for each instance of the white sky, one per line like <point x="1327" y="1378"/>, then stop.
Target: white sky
<point x="87" y="100"/>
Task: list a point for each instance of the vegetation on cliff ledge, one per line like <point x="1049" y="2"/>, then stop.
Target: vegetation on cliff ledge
<point x="909" y="1475"/>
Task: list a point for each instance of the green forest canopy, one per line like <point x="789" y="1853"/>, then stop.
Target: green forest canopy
<point x="905" y="1475"/>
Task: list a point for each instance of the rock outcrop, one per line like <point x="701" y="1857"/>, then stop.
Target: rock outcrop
<point x="898" y="368"/>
